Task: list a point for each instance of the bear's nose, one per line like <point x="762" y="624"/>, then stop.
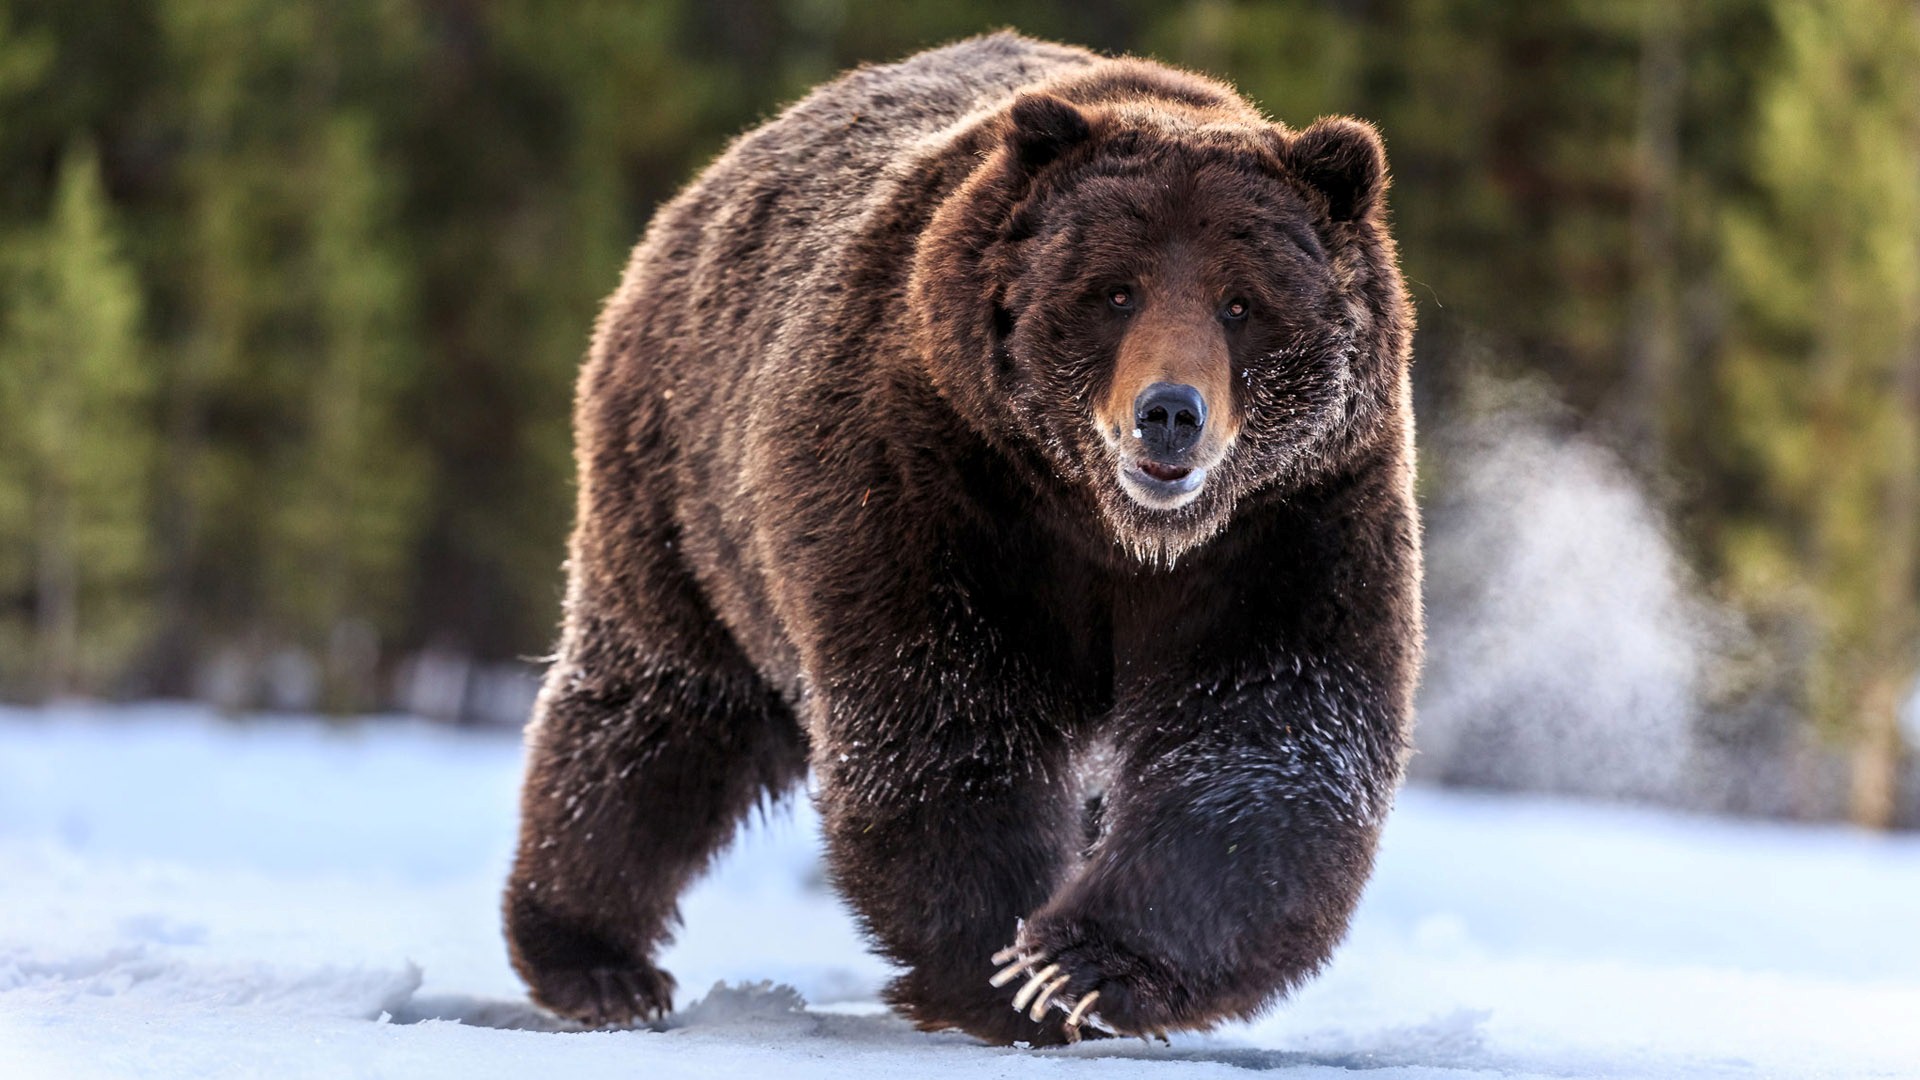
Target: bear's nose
<point x="1168" y="418"/>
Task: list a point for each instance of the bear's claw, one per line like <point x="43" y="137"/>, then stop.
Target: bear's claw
<point x="1042" y="986"/>
<point x="1046" y="993"/>
<point x="1079" y="1010"/>
<point x="1033" y="986"/>
<point x="1011" y="971"/>
<point x="607" y="997"/>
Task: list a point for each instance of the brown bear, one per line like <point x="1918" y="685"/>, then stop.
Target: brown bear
<point x="1019" y="440"/>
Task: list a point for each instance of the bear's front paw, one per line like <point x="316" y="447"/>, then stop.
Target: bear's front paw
<point x="606" y="996"/>
<point x="1095" y="980"/>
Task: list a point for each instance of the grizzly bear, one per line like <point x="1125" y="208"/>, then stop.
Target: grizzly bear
<point x="1019" y="442"/>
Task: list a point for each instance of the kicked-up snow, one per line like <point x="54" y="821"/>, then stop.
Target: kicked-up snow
<point x="184" y="897"/>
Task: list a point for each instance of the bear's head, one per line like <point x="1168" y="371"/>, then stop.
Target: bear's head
<point x="1158" y="297"/>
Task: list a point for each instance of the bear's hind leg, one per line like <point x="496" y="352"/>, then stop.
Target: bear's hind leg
<point x="641" y="763"/>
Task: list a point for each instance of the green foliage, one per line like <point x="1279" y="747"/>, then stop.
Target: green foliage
<point x="342" y="529"/>
<point x="1823" y="374"/>
<point x="75" y="444"/>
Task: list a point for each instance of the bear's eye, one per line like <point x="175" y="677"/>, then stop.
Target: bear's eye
<point x="1235" y="310"/>
<point x="1120" y="297"/>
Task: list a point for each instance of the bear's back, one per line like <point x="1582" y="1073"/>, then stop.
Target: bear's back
<point x="783" y="197"/>
<point x="726" y="318"/>
<point x="834" y="145"/>
<point x="758" y="244"/>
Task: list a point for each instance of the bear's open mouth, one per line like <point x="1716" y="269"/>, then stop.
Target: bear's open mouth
<point x="1166" y="474"/>
<point x="1160" y="487"/>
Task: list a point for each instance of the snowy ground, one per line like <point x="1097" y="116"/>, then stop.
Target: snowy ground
<point x="181" y="897"/>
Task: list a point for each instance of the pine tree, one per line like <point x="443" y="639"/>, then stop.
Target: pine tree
<point x="350" y="492"/>
<point x="74" y="396"/>
<point x="1824" y="385"/>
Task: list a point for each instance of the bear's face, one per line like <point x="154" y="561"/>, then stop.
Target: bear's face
<point x="1172" y="313"/>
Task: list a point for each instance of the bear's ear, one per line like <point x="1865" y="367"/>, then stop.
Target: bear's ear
<point x="1343" y="159"/>
<point x="1042" y="127"/>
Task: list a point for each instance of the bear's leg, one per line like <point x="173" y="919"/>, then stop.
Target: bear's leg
<point x="647" y="747"/>
<point x="940" y="859"/>
<point x="1226" y="875"/>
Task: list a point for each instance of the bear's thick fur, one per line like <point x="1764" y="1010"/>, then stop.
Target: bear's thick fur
<point x="1105" y="691"/>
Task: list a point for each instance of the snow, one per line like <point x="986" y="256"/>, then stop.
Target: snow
<point x="185" y="897"/>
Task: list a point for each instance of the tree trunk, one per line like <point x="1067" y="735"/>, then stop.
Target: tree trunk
<point x="1653" y="323"/>
<point x="56" y="592"/>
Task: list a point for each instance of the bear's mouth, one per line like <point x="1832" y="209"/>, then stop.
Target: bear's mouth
<point x="1166" y="474"/>
<point x="1158" y="486"/>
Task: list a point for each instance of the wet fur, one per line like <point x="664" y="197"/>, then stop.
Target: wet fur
<point x="842" y="508"/>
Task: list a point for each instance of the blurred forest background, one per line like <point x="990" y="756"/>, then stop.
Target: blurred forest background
<point x="292" y="296"/>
